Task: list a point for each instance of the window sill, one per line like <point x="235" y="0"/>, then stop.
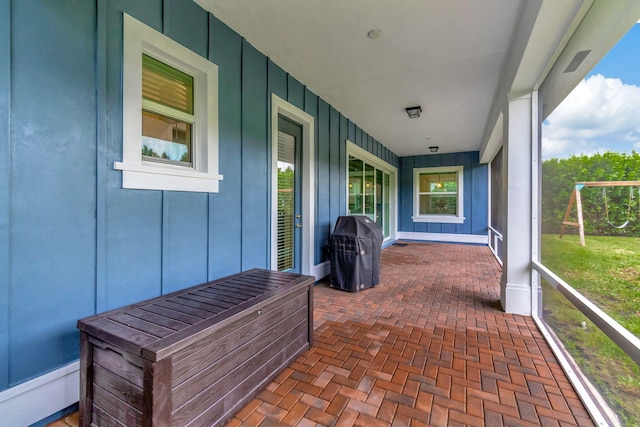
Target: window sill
<point x="443" y="219"/>
<point x="146" y="177"/>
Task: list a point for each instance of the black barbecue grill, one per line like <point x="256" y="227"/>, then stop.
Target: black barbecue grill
<point x="355" y="247"/>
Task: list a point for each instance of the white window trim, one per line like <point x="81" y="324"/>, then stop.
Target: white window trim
<point x="378" y="163"/>
<point x="445" y="219"/>
<point x="137" y="173"/>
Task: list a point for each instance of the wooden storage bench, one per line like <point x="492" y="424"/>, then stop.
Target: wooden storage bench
<point x="196" y="356"/>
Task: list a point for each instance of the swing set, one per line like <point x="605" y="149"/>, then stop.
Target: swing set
<point x="575" y="199"/>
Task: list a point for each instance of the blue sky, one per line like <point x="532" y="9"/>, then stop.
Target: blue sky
<point x="622" y="61"/>
<point x="603" y="112"/>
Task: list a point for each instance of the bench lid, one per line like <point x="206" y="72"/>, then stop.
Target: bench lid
<point x="157" y="328"/>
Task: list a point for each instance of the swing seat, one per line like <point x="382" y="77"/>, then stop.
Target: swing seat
<point x="618" y="226"/>
<point x="606" y="209"/>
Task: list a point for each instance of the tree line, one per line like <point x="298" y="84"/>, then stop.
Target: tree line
<point x="558" y="180"/>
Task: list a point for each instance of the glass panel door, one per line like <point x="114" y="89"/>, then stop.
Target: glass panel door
<point x="385" y="204"/>
<point x="289" y="177"/>
<point x="356" y="182"/>
<point x="379" y="197"/>
<point x="369" y="193"/>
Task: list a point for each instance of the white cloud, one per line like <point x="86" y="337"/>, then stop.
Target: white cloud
<point x="600" y="114"/>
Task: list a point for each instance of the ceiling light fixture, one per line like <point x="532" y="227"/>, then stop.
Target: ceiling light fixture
<point x="374" y="34"/>
<point x="434" y="148"/>
<point x="414" y="112"/>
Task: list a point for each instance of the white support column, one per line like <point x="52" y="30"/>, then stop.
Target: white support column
<point x="517" y="163"/>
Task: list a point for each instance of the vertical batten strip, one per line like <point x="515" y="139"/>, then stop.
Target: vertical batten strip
<point x="164" y="243"/>
<point x="255" y="222"/>
<point x="343" y="134"/>
<point x="5" y="188"/>
<point x="311" y="107"/>
<point x="335" y="171"/>
<point x="351" y="131"/>
<point x="163" y="6"/>
<point x="324" y="194"/>
<point x="225" y="215"/>
<point x="101" y="155"/>
<point x="295" y="92"/>
<point x="406" y="197"/>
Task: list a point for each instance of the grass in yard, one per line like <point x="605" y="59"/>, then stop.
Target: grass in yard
<point x="607" y="272"/>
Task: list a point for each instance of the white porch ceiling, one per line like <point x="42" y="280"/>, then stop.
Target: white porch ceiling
<point x="448" y="56"/>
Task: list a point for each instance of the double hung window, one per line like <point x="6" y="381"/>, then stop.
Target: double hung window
<point x="438" y="194"/>
<point x="170" y="114"/>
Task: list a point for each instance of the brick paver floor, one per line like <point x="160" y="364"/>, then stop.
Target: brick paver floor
<point x="428" y="346"/>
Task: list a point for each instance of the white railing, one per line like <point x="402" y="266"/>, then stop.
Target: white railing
<point x="495" y="238"/>
<point x="628" y="342"/>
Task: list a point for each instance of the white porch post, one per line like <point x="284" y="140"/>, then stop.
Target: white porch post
<point x="517" y="163"/>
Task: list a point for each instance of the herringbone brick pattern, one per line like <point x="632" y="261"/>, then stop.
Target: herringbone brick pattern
<point x="428" y="346"/>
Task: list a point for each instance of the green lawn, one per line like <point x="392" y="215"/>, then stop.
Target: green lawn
<point x="607" y="271"/>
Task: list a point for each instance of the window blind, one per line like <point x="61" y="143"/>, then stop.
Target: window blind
<point x="286" y="199"/>
<point x="166" y="85"/>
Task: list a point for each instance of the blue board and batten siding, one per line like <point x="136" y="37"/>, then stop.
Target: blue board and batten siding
<point x="51" y="224"/>
<point x="475" y="186"/>
<point x="72" y="241"/>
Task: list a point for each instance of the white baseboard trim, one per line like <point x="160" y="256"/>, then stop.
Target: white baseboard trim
<point x="321" y="270"/>
<point x="444" y="237"/>
<point x="41" y="397"/>
<point x="517" y="299"/>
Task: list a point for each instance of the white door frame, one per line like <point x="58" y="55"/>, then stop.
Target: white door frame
<point x="281" y="107"/>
